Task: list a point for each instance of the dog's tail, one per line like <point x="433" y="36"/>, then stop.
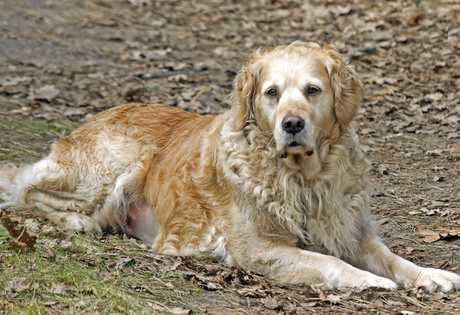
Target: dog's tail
<point x="11" y="180"/>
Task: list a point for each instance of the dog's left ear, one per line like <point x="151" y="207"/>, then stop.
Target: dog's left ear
<point x="346" y="85"/>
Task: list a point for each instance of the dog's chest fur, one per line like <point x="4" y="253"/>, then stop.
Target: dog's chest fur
<point x="292" y="203"/>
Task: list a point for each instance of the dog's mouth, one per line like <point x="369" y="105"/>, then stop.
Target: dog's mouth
<point x="294" y="144"/>
<point x="295" y="147"/>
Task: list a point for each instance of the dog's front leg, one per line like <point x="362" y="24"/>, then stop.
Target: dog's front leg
<point x="288" y="264"/>
<point x="374" y="256"/>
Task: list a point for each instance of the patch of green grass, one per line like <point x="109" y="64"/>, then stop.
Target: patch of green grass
<point x="153" y="88"/>
<point x="27" y="139"/>
<point x="75" y="273"/>
<point x="37" y="125"/>
<point x="29" y="124"/>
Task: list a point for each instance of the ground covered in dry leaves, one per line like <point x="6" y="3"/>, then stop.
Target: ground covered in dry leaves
<point x="61" y="62"/>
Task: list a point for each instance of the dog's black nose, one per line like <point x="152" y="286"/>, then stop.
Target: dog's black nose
<point x="292" y="124"/>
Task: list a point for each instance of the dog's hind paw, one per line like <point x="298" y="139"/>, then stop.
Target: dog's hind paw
<point x="80" y="222"/>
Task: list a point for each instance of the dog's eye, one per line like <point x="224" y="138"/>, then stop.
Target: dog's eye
<point x="272" y="93"/>
<point x="312" y="90"/>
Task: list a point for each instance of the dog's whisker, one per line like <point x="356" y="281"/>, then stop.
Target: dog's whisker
<point x="327" y="132"/>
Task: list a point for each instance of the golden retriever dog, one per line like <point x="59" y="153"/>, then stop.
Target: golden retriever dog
<point x="277" y="185"/>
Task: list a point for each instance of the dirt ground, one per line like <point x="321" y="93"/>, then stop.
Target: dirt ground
<point x="61" y="62"/>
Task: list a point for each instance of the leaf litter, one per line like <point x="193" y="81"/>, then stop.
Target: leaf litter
<point x="73" y="59"/>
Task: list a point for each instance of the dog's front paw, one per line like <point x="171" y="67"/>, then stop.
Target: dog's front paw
<point x="433" y="280"/>
<point x="374" y="281"/>
<point x="362" y="280"/>
<point x="378" y="282"/>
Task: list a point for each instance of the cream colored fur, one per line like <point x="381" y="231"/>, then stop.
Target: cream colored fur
<point x="242" y="186"/>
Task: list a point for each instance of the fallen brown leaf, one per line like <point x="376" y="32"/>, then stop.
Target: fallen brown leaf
<point x="16" y="285"/>
<point x="47" y="92"/>
<point x="334" y="299"/>
<point x="58" y="289"/>
<point x="50" y="303"/>
<point x="180" y="311"/>
<point x="449" y="234"/>
<point x="270" y="302"/>
<point x="414" y="19"/>
<point x="431" y="236"/>
<point x="23" y="242"/>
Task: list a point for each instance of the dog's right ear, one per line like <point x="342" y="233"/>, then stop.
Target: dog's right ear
<point x="244" y="89"/>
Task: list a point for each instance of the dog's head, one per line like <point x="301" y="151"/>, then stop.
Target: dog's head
<point x="296" y="94"/>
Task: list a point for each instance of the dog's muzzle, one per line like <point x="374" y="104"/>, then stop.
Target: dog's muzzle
<point x="292" y="126"/>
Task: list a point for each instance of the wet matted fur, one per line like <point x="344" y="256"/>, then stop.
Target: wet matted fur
<point x="278" y="184"/>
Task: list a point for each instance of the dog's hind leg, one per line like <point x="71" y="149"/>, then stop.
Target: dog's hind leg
<point x="63" y="212"/>
<point x="87" y="189"/>
<point x="126" y="208"/>
<point x="68" y="220"/>
<point x="49" y="192"/>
